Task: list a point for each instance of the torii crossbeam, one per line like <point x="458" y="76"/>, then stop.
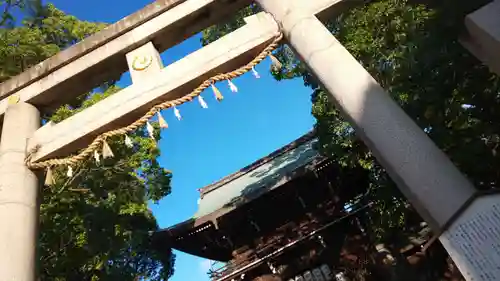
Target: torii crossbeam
<point x="440" y="193"/>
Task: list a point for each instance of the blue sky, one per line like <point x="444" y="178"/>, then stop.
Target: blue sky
<point x="209" y="144"/>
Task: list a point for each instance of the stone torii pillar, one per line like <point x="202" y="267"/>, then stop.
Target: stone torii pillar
<point x="19" y="186"/>
<point x="426" y="176"/>
<point x="482" y="38"/>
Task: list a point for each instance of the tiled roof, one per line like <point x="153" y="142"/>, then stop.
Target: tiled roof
<point x="257" y="180"/>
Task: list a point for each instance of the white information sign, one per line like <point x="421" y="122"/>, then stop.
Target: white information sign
<point x="473" y="240"/>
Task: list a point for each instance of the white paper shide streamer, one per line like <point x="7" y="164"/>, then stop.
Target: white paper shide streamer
<point x="150" y="130"/>
<point x="106" y="152"/>
<point x="232" y="87"/>
<point x="161" y="121"/>
<point x="202" y="102"/>
<point x="177" y="113"/>
<point x="69" y="173"/>
<point x="255" y="73"/>
<point x="97" y="157"/>
<point x="128" y="142"/>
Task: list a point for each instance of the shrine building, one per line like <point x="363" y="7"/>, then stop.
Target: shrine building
<point x="280" y="218"/>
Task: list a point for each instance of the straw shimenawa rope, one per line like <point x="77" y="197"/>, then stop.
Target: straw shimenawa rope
<point x="99" y="141"/>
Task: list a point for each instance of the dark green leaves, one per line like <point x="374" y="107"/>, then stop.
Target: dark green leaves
<point x="95" y="225"/>
<point x="412" y="50"/>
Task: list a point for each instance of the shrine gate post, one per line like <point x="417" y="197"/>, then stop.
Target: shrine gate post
<point x="19" y="188"/>
<point x="434" y="186"/>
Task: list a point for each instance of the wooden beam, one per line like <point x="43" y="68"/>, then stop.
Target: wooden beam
<point x="101" y="57"/>
<point x="174" y="81"/>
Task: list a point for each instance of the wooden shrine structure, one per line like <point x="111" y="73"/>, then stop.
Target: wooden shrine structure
<point x="281" y="216"/>
<point x="434" y="186"/>
<point x="285" y="217"/>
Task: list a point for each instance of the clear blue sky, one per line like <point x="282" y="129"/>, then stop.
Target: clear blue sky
<point x="209" y="144"/>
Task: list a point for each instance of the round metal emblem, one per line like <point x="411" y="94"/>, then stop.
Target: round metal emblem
<point x="141" y="62"/>
<point x="13" y="99"/>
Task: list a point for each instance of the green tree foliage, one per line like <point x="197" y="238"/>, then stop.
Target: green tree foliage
<point x="216" y="31"/>
<point x="413" y="51"/>
<point x="43" y="33"/>
<point x="411" y="47"/>
<point x="8" y="6"/>
<point x="95" y="225"/>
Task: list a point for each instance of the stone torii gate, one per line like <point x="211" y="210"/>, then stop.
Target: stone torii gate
<point x="441" y="194"/>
